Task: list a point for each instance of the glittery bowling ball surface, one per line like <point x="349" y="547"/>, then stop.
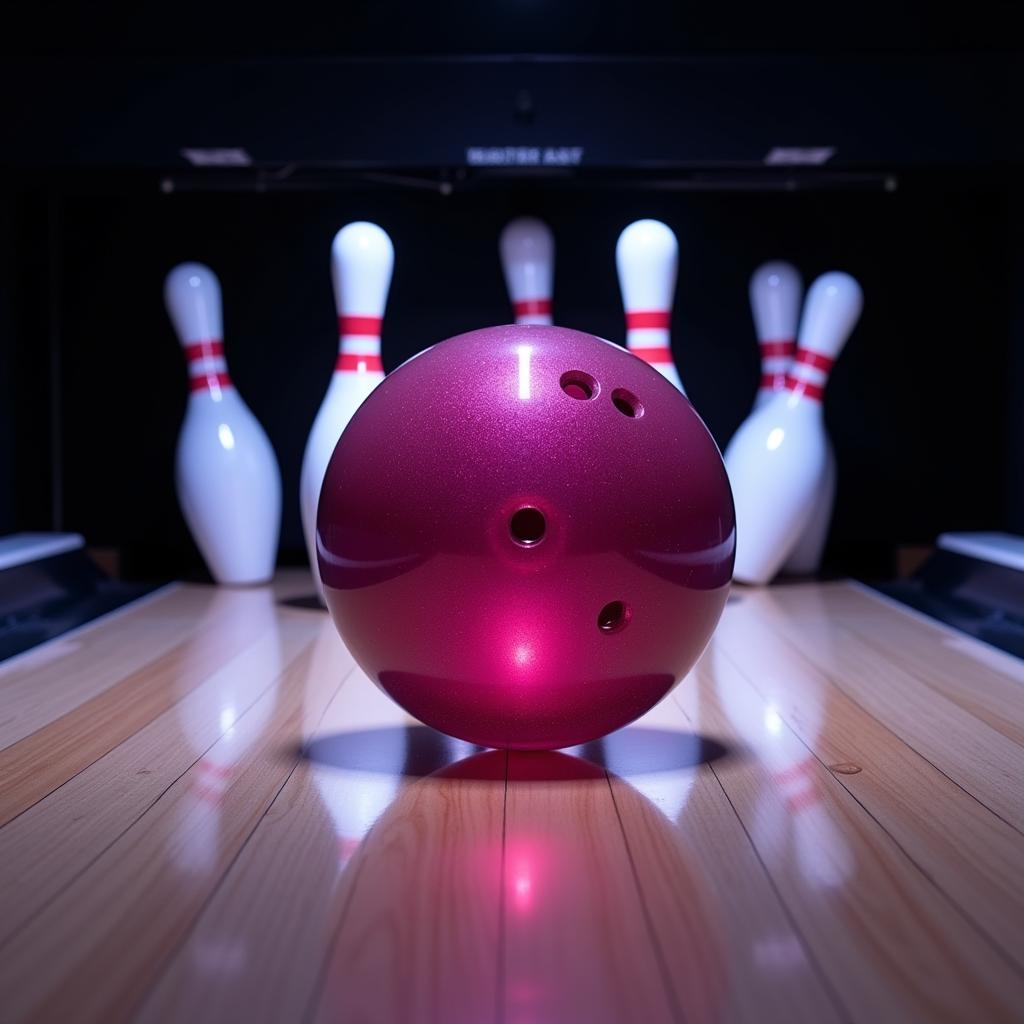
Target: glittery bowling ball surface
<point x="526" y="537"/>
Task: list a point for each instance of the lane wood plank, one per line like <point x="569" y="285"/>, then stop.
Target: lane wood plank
<point x="45" y="848"/>
<point x="39" y="763"/>
<point x="979" y="758"/>
<point x="891" y="944"/>
<point x="576" y="943"/>
<point x="93" y="952"/>
<point x="731" y="952"/>
<point x="45" y="683"/>
<point x="983" y="681"/>
<point x="279" y="906"/>
<point x="974" y="857"/>
<point x="418" y="931"/>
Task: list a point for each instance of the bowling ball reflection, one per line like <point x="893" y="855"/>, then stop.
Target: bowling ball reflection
<point x="561" y="895"/>
<point x="526" y="537"/>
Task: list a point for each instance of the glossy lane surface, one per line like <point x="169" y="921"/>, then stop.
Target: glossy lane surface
<point x="210" y="813"/>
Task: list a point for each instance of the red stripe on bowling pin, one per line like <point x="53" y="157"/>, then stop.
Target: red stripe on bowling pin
<point x="776" y="349"/>
<point x="532" y="307"/>
<point x="207" y="368"/>
<point x="648" y="319"/>
<point x="353" y="362"/>
<point x="359" y="344"/>
<point x="809" y="374"/>
<point x="801" y="387"/>
<point x="359" y="326"/>
<point x="659" y="355"/>
<point x="776" y="357"/>
<point x="805" y="357"/>
<point x="210" y="382"/>
<point x="204" y="349"/>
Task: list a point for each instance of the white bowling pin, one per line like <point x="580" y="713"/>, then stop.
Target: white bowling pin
<point x="527" y="250"/>
<point x="362" y="259"/>
<point x="229" y="485"/>
<point x="775" y="293"/>
<point x="805" y="558"/>
<point x="778" y="458"/>
<point x="647" y="259"/>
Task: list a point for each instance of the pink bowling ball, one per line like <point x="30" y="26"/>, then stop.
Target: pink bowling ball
<point x="526" y="537"/>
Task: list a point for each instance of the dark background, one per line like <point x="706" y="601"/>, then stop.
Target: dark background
<point x="367" y="116"/>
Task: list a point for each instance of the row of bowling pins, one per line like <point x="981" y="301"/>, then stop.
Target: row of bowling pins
<point x="780" y="462"/>
<point x="227" y="476"/>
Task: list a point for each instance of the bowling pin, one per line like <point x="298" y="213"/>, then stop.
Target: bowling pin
<point x="362" y="259"/>
<point x="228" y="482"/>
<point x="527" y="250"/>
<point x="647" y="259"/>
<point x="775" y="293"/>
<point x="778" y="459"/>
<point x="805" y="558"/>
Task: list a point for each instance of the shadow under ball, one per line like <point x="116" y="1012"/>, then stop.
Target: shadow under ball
<point x="526" y="537"/>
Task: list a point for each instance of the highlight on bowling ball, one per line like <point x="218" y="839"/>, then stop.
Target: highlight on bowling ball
<point x="526" y="537"/>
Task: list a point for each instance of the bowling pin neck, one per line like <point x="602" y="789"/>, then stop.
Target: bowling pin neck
<point x="808" y="375"/>
<point x="207" y="367"/>
<point x="527" y="250"/>
<point x="358" y="344"/>
<point x="776" y="359"/>
<point x="647" y="334"/>
<point x="533" y="311"/>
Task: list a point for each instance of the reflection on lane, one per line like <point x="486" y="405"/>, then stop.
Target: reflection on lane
<point x="658" y="759"/>
<point x="761" y="695"/>
<point x="244" y="957"/>
<point x="359" y="774"/>
<point x="224" y="718"/>
<point x="471" y="888"/>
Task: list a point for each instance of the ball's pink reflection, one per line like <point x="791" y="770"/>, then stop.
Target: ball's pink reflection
<point x="504" y="887"/>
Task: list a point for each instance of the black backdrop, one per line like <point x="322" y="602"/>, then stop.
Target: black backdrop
<point x="920" y="407"/>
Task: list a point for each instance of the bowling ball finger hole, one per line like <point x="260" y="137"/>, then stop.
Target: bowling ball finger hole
<point x="527" y="526"/>
<point x="579" y="385"/>
<point x="627" y="403"/>
<point x="613" y="617"/>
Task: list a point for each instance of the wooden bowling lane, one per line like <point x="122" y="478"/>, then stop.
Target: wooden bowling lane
<point x="970" y="850"/>
<point x="900" y="883"/>
<point x="731" y="950"/>
<point x="138" y="867"/>
<point x="232" y="822"/>
<point x="107" y="704"/>
<point x="303" y="875"/>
